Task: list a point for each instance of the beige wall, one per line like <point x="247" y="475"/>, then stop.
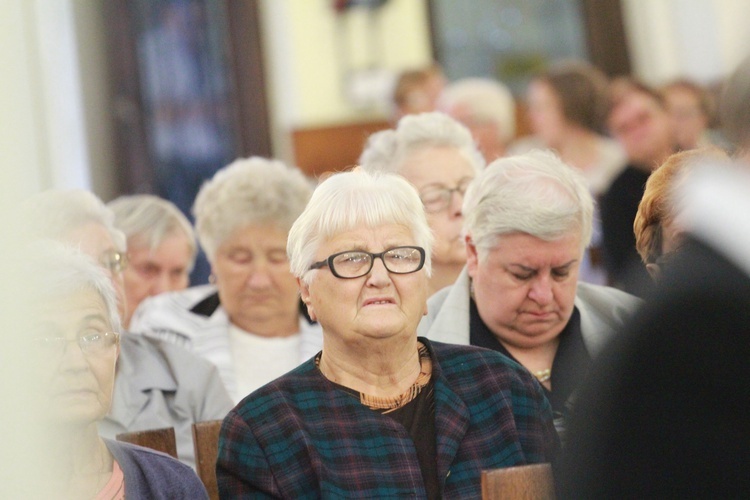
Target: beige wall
<point x="699" y="39"/>
<point x="56" y="127"/>
<point x="306" y="44"/>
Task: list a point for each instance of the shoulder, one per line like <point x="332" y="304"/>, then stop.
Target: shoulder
<point x="154" y="473"/>
<point x="605" y="298"/>
<point x="467" y="361"/>
<point x="173" y="312"/>
<point x="604" y="310"/>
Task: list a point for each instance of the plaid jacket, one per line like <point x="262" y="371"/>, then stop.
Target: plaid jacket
<point x="300" y="437"/>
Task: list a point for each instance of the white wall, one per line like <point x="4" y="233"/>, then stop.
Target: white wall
<point x="699" y="39"/>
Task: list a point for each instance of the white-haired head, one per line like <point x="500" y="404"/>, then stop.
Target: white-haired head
<point x="249" y="191"/>
<point x="534" y="193"/>
<point x="483" y="100"/>
<point x="351" y="200"/>
<point x="57" y="213"/>
<point x="148" y="220"/>
<point x="387" y="150"/>
<point x="56" y="271"/>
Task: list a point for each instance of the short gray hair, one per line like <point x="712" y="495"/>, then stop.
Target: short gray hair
<point x="148" y="220"/>
<point x="534" y="193"/>
<point x="386" y="150"/>
<point x="486" y="100"/>
<point x="248" y="191"/>
<point x="349" y="200"/>
<point x="55" y="213"/>
<point x="57" y="270"/>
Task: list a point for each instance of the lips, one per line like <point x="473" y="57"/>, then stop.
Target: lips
<point x="378" y="301"/>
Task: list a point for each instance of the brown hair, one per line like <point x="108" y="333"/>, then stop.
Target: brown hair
<point x="582" y="90"/>
<point x="655" y="209"/>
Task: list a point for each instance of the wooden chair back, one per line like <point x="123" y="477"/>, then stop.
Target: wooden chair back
<point x="206" y="442"/>
<point x="157" y="439"/>
<point x="523" y="482"/>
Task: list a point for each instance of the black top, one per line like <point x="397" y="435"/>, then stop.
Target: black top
<point x="618" y="207"/>
<point x="664" y="413"/>
<point x="569" y="367"/>
<point x="418" y="418"/>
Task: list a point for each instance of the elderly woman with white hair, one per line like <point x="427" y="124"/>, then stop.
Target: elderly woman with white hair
<point x="161" y="247"/>
<point x="528" y="222"/>
<point x="158" y="384"/>
<point x="74" y="325"/>
<point x="249" y="322"/>
<point x="438" y="156"/>
<point x="379" y="412"/>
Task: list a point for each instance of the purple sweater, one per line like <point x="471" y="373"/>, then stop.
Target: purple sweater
<point x="150" y="474"/>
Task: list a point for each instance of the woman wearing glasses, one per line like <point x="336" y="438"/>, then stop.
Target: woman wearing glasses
<point x="378" y="413"/>
<point x="75" y="325"/>
<point x="438" y="156"/>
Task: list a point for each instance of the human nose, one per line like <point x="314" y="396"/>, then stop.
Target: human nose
<point x="72" y="358"/>
<point x="455" y="202"/>
<point x="541" y="290"/>
<point x="260" y="276"/>
<point x="161" y="284"/>
<point x="378" y="276"/>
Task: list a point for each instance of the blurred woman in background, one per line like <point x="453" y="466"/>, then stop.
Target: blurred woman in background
<point x="438" y="156"/>
<point x="248" y="322"/>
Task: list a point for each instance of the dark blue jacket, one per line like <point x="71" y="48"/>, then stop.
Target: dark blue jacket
<point x="150" y="474"/>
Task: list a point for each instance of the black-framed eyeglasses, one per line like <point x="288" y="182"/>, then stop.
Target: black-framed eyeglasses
<point x="356" y="263"/>
<point x="91" y="344"/>
<point x="113" y="260"/>
<point x="437" y="197"/>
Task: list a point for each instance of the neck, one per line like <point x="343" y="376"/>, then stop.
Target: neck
<point x="536" y="358"/>
<point x="82" y="462"/>
<point x="382" y="368"/>
<point x="285" y="326"/>
<point x="579" y="148"/>
<point x="443" y="275"/>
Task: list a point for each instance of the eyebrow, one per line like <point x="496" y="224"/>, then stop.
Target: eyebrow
<point x="533" y="269"/>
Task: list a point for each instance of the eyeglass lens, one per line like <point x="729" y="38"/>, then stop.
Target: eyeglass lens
<point x="400" y="260"/>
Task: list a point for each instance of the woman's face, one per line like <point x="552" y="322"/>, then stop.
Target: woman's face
<point x="79" y="385"/>
<point x="434" y="169"/>
<point x="253" y="278"/>
<point x="545" y="113"/>
<point x="376" y="306"/>
<point x="151" y="272"/>
<point x="525" y="287"/>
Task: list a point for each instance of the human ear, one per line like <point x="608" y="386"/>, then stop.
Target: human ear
<point x="472" y="257"/>
<point x="304" y="292"/>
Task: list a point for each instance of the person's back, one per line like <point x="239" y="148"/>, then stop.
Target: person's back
<point x="665" y="409"/>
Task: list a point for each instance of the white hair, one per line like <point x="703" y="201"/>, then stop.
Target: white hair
<point x="386" y="150"/>
<point x="56" y="271"/>
<point x="248" y="191"/>
<point x="534" y="193"/>
<point x="350" y="200"/>
<point x="148" y="220"/>
<point x="55" y="213"/>
<point x="486" y="100"/>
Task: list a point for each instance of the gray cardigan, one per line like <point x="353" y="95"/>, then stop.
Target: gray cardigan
<point x="162" y="385"/>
